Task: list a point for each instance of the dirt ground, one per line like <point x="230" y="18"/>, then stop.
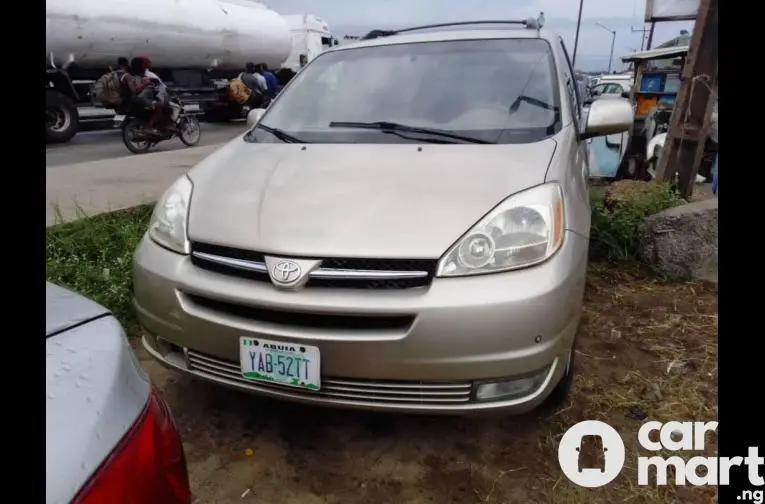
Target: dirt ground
<point x="647" y="350"/>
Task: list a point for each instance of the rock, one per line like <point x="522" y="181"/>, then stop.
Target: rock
<point x="682" y="241"/>
<point x="637" y="413"/>
<point x="651" y="392"/>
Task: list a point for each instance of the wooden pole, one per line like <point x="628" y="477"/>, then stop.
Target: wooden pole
<point x="650" y="36"/>
<point x="689" y="125"/>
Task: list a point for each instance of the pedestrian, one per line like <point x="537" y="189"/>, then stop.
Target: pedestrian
<point x="713" y="135"/>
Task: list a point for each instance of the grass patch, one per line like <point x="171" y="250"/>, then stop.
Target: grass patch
<point x="93" y="256"/>
<point x="615" y="220"/>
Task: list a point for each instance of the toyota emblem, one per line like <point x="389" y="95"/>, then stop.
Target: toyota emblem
<point x="286" y="272"/>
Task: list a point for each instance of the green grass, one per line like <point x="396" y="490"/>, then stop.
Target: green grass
<point x="93" y="256"/>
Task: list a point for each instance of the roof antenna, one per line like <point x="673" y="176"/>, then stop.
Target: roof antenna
<point x="536" y="24"/>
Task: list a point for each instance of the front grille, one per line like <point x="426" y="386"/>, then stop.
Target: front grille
<point x="332" y="273"/>
<point x="365" y="391"/>
<point x="298" y="319"/>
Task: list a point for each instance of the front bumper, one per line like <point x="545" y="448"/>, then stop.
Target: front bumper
<point x="462" y="332"/>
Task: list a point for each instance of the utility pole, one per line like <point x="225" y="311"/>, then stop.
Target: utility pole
<point x="689" y="126"/>
<point x="613" y="39"/>
<point x="643" y="30"/>
<point x="576" y="37"/>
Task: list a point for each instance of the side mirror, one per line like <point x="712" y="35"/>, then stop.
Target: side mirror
<point x="625" y="94"/>
<point x="254" y="115"/>
<point x="588" y="101"/>
<point x="608" y="117"/>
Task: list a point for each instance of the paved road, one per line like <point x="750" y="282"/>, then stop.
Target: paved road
<point x="107" y="144"/>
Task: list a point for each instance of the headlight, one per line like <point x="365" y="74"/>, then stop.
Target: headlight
<point x="170" y="218"/>
<point x="525" y="229"/>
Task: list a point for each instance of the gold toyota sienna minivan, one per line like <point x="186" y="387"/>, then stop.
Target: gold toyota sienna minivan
<point x="405" y="228"/>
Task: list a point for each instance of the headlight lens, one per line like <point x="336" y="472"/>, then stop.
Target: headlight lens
<point x="525" y="229"/>
<point x="169" y="221"/>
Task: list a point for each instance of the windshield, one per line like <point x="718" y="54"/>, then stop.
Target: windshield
<point x="501" y="91"/>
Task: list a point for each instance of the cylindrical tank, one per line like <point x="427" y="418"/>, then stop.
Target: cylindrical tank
<point x="222" y="34"/>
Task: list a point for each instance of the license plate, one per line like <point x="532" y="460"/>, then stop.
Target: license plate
<point x="280" y="363"/>
<point x="193" y="107"/>
<point x="119" y="118"/>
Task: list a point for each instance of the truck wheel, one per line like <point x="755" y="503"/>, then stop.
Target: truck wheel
<point x="61" y="118"/>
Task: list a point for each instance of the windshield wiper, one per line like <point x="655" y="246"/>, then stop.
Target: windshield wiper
<point x="531" y="101"/>
<point x="281" y="135"/>
<point x="389" y="127"/>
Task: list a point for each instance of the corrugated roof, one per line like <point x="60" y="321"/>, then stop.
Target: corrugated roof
<point x="653" y="54"/>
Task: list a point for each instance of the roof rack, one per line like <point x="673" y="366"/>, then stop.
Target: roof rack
<point x="531" y="23"/>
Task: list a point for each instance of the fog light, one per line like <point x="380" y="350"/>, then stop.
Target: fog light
<point x="165" y="347"/>
<point x="510" y="389"/>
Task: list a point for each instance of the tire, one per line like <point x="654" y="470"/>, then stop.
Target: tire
<point x="189" y="131"/>
<point x="128" y="130"/>
<point x="62" y="119"/>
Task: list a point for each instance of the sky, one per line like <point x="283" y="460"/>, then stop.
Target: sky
<point x="357" y="17"/>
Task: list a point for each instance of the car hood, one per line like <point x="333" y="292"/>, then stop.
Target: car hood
<point x="357" y="200"/>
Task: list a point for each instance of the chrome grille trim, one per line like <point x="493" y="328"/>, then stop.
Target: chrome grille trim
<point x="232" y="263"/>
<point x="434" y="393"/>
<point x="328" y="273"/>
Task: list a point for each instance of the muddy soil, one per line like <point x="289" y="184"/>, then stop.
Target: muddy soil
<point x="646" y="350"/>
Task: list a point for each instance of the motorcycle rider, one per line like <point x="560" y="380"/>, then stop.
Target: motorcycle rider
<point x="257" y="84"/>
<point x="271" y="81"/>
<point x="142" y="92"/>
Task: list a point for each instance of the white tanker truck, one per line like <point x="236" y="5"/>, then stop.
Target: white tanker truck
<point x="310" y="36"/>
<point x="195" y="46"/>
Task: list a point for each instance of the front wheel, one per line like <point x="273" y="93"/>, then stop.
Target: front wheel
<point x="189" y="131"/>
<point x="132" y="138"/>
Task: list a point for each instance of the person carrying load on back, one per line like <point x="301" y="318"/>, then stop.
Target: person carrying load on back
<point x="142" y="91"/>
<point x="123" y="65"/>
<point x="107" y="90"/>
<point x="249" y="87"/>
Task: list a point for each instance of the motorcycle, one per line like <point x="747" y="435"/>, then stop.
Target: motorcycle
<point x="139" y="139"/>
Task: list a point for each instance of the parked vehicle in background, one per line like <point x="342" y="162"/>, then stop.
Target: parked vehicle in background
<point x="196" y="47"/>
<point x="109" y="436"/>
<point x="608" y="90"/>
<point x="350" y="251"/>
